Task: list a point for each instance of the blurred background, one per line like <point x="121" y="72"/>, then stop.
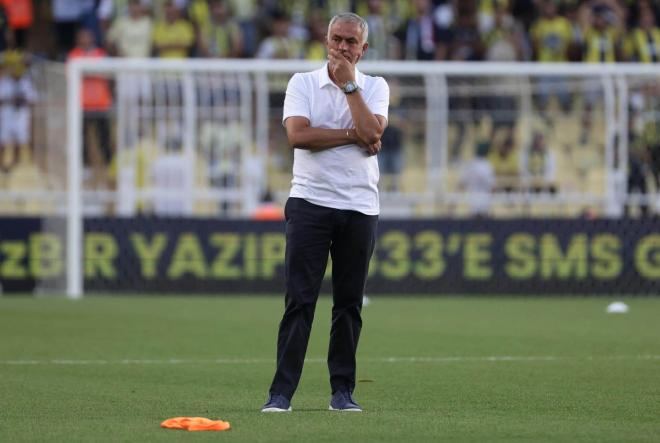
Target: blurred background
<point x="522" y="153"/>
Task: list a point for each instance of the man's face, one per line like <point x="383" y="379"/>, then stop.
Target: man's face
<point x="375" y="6"/>
<point x="346" y="38"/>
<point x="219" y="11"/>
<point x="599" y="22"/>
<point x="85" y="39"/>
<point x="422" y="7"/>
<point x="171" y="12"/>
<point x="549" y="8"/>
<point x="281" y="27"/>
<point x="646" y="19"/>
<point x="135" y="9"/>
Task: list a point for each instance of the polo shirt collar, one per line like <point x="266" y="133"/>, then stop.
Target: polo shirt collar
<point x="324" y="78"/>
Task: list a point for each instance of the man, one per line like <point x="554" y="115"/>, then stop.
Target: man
<point x="552" y="38"/>
<point x="17" y="98"/>
<point x="420" y="37"/>
<point x="477" y="178"/>
<point x="602" y="44"/>
<point x="174" y="36"/>
<point x="96" y="103"/>
<point x="130" y="34"/>
<point x="334" y="118"/>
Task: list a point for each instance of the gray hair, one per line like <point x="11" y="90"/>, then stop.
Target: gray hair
<point x="352" y="18"/>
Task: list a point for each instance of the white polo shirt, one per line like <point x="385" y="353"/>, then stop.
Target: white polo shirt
<point x="344" y="177"/>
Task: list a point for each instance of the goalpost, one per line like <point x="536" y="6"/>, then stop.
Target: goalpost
<point x="203" y="137"/>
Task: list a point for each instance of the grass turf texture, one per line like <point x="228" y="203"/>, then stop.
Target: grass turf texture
<point x="597" y="388"/>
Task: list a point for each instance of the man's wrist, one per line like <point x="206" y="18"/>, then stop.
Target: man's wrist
<point x="350" y="87"/>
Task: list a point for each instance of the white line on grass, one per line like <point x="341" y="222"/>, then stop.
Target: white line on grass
<point x="249" y="361"/>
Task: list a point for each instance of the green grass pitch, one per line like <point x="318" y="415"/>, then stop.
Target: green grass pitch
<point x="429" y="369"/>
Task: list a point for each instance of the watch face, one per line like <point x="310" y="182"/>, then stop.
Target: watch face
<point x="350" y="87"/>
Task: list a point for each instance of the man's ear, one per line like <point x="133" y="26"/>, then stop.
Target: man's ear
<point x="364" y="50"/>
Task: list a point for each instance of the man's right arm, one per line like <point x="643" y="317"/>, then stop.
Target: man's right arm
<point x="302" y="136"/>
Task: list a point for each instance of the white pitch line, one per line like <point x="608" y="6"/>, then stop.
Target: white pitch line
<point x="249" y="361"/>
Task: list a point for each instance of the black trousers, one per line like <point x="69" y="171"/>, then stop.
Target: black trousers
<point x="311" y="232"/>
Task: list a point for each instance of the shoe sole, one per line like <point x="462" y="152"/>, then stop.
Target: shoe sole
<point x="330" y="408"/>
<point x="276" y="410"/>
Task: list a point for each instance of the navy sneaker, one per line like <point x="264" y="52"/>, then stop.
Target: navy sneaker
<point x="276" y="403"/>
<point x="343" y="401"/>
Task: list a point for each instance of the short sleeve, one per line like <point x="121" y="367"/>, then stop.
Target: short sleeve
<point x="296" y="102"/>
<point x="379" y="101"/>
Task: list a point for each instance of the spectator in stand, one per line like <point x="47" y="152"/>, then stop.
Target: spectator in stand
<point x="334" y="7"/>
<point x="505" y="42"/>
<point x="66" y="16"/>
<point x="199" y="14"/>
<point x="244" y="12"/>
<point x="539" y="165"/>
<point x="174" y="36"/>
<point x="130" y="35"/>
<point x="91" y="19"/>
<point x="96" y="104"/>
<point x="525" y="11"/>
<point x="637" y="7"/>
<point x="21" y="17"/>
<point x="571" y="10"/>
<point x="638" y="158"/>
<point x="17" y="97"/>
<point x="6" y="34"/>
<point x="300" y="13"/>
<point x="380" y="44"/>
<point x="603" y="43"/>
<point x="159" y="8"/>
<point x="419" y="36"/>
<point x="222" y="36"/>
<point x="487" y="10"/>
<point x="463" y="42"/>
<point x="390" y="157"/>
<point x="603" y="31"/>
<point x="394" y="12"/>
<point x="315" y="49"/>
<point x="109" y="10"/>
<point x="551" y="36"/>
<point x="643" y="44"/>
<point x="649" y="132"/>
<point x="477" y="177"/>
<point x="279" y="44"/>
<point x="506" y="165"/>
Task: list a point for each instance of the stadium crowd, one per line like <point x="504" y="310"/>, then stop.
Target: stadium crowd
<point x="455" y="30"/>
<point x="541" y="30"/>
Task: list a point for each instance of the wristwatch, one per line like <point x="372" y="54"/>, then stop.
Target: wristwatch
<point x="350" y="87"/>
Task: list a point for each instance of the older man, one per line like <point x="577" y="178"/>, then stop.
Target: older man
<point x="334" y="118"/>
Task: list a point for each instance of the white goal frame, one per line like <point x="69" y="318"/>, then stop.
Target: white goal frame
<point x="615" y="106"/>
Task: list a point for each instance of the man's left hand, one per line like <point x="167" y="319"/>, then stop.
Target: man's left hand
<point x="371" y="149"/>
